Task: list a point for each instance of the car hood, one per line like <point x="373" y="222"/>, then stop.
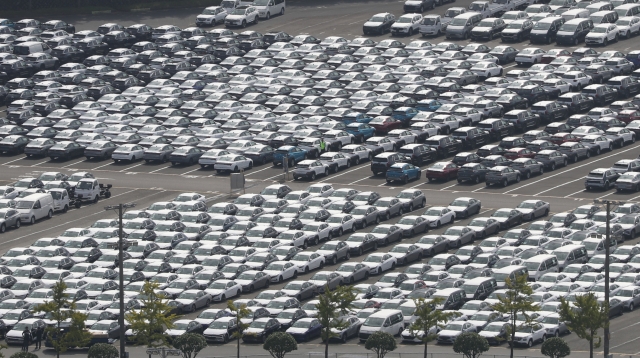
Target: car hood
<point x="290" y="292"/>
<point x="215" y="332"/>
<point x="296" y="330"/>
<point x="175" y="332"/>
<point x="235" y="17"/>
<point x="449" y="333"/>
<point x="372" y="24"/>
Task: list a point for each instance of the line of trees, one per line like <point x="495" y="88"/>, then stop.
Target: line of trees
<point x="585" y="317"/>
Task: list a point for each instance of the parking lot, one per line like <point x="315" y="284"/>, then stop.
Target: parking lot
<point x="147" y="183"/>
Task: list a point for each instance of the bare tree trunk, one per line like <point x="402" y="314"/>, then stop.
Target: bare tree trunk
<point x="326" y="347"/>
<point x="591" y="348"/>
<point x="238" y="346"/>
<point x="425" y="349"/>
<point x="513" y="339"/>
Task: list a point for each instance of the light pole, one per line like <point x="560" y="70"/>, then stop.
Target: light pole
<point x="120" y="210"/>
<point x="608" y="204"/>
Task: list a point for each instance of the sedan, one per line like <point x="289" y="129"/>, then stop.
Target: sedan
<point x="232" y="163"/>
<point x="532" y="209"/>
<point x="193" y="299"/>
<point x="508" y="217"/>
<point x="301" y="290"/>
<point x="128" y="152"/>
<point x="9" y="218"/>
<point x="305" y="329"/>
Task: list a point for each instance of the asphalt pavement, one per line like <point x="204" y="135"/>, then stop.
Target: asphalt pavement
<point x="148" y="183"/>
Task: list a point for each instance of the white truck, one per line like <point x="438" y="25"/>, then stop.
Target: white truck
<point x="434" y="25"/>
<point x="61" y="199"/>
<point x="491" y="9"/>
<point x="89" y="190"/>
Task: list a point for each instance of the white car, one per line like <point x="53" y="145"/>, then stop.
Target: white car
<point x="232" y="162"/>
<point x="129" y="152"/>
<point x="322" y="230"/>
<point x="531" y="55"/>
<point x="307" y="261"/>
<point x="211" y="156"/>
<point x="220" y="290"/>
<point x="309" y="169"/>
<point x="528" y="335"/>
<point x="8" y="192"/>
<point x="241" y="16"/>
<point x="628" y="25"/>
<point x="407" y="24"/>
<point x="577" y="80"/>
<point x="486" y="69"/>
<point x="439" y="215"/>
<point x="357" y="151"/>
<point x="341" y="223"/>
<point x="329" y="158"/>
<point x="379" y="262"/>
<point x="281" y="270"/>
<point x="602" y="34"/>
<point x="211" y="16"/>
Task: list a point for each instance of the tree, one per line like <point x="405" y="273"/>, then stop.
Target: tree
<point x="428" y="318"/>
<point x="516" y="300"/>
<point x="381" y="343"/>
<point x="240" y="312"/>
<point x="470" y="344"/>
<point x="555" y="347"/>
<point x="149" y="323"/>
<point x="280" y="343"/>
<point x="332" y="305"/>
<point x="23" y="355"/>
<point x="190" y="344"/>
<point x="60" y="310"/>
<point x="103" y="350"/>
<point x="586" y="318"/>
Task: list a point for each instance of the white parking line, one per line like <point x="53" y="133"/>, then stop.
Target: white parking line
<point x="190" y="171"/>
<point x="78" y="162"/>
<point x="46" y="161"/>
<point x="15" y="160"/>
<point x="447" y="187"/>
<point x="557" y="186"/>
<point x="335" y="176"/>
<point x="359" y="180"/>
<point x="568" y="170"/>
<point x="129" y="168"/>
<point x="157" y="170"/>
<point x="258" y="171"/>
<point x="103" y="165"/>
<point x="577" y="192"/>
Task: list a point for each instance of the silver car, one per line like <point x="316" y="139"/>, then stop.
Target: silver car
<point x="9" y="218"/>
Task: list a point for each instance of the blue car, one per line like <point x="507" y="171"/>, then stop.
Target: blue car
<point x="356" y="117"/>
<point x="634" y="56"/>
<point x="403" y="172"/>
<point x="294" y="154"/>
<point x="428" y="105"/>
<point x="361" y="131"/>
<point x="404" y="114"/>
<point x="305" y="329"/>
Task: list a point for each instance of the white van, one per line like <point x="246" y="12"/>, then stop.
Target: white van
<point x="389" y="321"/>
<point x="31" y="47"/>
<point x="575" y="14"/>
<point x="268" y="8"/>
<point x="539" y="265"/>
<point x="628" y="10"/>
<point x="510" y="272"/>
<point x="570" y="254"/>
<point x="35" y="207"/>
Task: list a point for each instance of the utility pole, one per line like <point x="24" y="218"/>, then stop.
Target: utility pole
<point x="607" y="243"/>
<point x="120" y="208"/>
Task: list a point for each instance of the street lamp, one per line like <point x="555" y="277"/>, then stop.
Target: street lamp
<point x="608" y="204"/>
<point x="120" y="208"/>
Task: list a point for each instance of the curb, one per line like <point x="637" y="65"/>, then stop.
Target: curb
<point x="100" y="12"/>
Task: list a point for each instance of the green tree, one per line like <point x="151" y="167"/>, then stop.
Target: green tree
<point x="332" y="305"/>
<point x="555" y="347"/>
<point x="61" y="309"/>
<point x="470" y="344"/>
<point x="515" y="302"/>
<point x="103" y="350"/>
<point x="150" y="322"/>
<point x="381" y="343"/>
<point x="428" y="317"/>
<point x="586" y="318"/>
<point x="23" y="355"/>
<point x="280" y="343"/>
<point x="239" y="312"/>
<point x="190" y="344"/>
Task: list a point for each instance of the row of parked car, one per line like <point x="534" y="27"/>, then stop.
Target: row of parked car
<point x="202" y="253"/>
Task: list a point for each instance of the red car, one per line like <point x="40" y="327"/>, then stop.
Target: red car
<point x="515" y="153"/>
<point x="560" y="138"/>
<point x="628" y="115"/>
<point x="384" y="124"/>
<point x="553" y="53"/>
<point x="442" y="171"/>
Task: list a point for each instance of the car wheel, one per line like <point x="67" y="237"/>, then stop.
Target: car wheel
<point x="18" y="223"/>
<point x="268" y="15"/>
<point x="553" y="166"/>
<point x="3" y="228"/>
<point x="359" y="251"/>
<point x="631" y="306"/>
<point x="606" y="185"/>
<point x="282" y="11"/>
<point x="32" y="220"/>
<point x="530" y="343"/>
<point x="377" y="220"/>
<point x="357" y="161"/>
<point x="50" y="214"/>
<point x="244" y="23"/>
<point x="505" y="183"/>
<point x="223" y="297"/>
<point x="598" y="151"/>
<point x="313" y="176"/>
<point x="517" y="178"/>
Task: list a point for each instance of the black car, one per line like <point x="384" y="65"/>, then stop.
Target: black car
<point x="576" y="102"/>
<point x="444" y="145"/>
<point x="119" y="39"/>
<point x="463" y="158"/>
<point x="574" y="151"/>
<point x="471" y="137"/>
<point x="39" y="147"/>
<point x="379" y="24"/>
<point x="67" y="53"/>
<point x="546" y="30"/>
<point x="601" y="94"/>
<point x="488" y="29"/>
<point x="527" y="167"/>
<point x="141" y="32"/>
<point x="92" y="47"/>
<point x="66" y="150"/>
<point x="419" y="153"/>
<point x="13" y="144"/>
<point x="497" y="128"/>
<point x="472" y="172"/>
<point x="15" y="68"/>
<point x="550" y="111"/>
<point x="505" y="54"/>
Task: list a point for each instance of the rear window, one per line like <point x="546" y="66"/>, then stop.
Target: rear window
<point x="380" y="160"/>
